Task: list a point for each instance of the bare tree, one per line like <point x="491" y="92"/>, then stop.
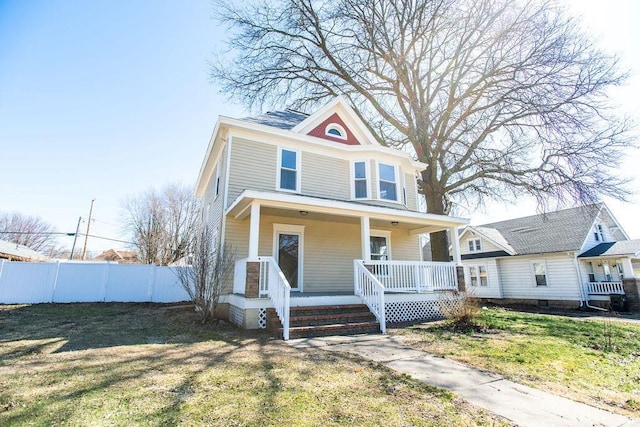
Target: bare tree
<point x="211" y="265"/>
<point x="499" y="98"/>
<point x="162" y="223"/>
<point x="30" y="231"/>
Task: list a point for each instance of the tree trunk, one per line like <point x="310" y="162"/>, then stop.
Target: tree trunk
<point x="436" y="205"/>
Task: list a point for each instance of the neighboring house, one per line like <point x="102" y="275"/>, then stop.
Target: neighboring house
<point x="566" y="258"/>
<point x="313" y="203"/>
<point x="121" y="257"/>
<point x="14" y="252"/>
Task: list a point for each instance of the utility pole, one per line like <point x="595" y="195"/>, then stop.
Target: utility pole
<point x="75" y="239"/>
<point x="86" y="236"/>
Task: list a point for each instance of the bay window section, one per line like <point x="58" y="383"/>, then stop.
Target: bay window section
<point x="360" y="186"/>
<point x="388" y="182"/>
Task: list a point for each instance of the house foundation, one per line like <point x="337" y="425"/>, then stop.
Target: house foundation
<point x="632" y="291"/>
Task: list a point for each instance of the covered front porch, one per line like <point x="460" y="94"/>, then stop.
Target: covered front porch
<point x="302" y="250"/>
<point x="610" y="269"/>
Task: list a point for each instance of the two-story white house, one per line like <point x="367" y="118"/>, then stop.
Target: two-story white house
<point x="320" y="215"/>
<point x="568" y="258"/>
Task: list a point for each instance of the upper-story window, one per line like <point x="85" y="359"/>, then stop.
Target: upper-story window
<point x="360" y="180"/>
<point x="388" y="182"/>
<point x="289" y="170"/>
<point x="336" y="131"/>
<point x="598" y="233"/>
<point x="217" y="189"/>
<point x="474" y="245"/>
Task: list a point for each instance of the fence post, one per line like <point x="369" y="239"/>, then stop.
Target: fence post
<point x="55" y="282"/>
<point x="152" y="282"/>
<point x="105" y="279"/>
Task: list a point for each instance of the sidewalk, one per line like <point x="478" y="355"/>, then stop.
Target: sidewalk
<point x="523" y="405"/>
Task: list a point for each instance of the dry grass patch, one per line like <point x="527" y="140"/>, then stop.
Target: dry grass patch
<point x="593" y="361"/>
<point x="130" y="364"/>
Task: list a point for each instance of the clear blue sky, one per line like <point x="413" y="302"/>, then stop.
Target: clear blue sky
<point x="103" y="99"/>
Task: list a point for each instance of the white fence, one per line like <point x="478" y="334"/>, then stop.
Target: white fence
<point x="63" y="282"/>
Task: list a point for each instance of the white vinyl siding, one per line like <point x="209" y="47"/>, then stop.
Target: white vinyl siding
<point x="253" y="167"/>
<point x="485" y="245"/>
<point x="517" y="279"/>
<point x="493" y="289"/>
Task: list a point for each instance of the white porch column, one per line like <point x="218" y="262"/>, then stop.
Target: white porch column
<point x="455" y="245"/>
<point x="365" y="232"/>
<point x="254" y="231"/>
<point x="627" y="268"/>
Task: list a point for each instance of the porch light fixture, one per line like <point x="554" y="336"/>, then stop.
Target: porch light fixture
<point x="304" y="213"/>
<point x="394" y="223"/>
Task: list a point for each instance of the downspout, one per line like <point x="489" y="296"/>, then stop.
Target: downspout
<point x="585" y="298"/>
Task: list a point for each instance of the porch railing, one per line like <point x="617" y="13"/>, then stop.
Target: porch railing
<point x="274" y="284"/>
<point x="604" y="288"/>
<point x="369" y="288"/>
<point x="414" y="276"/>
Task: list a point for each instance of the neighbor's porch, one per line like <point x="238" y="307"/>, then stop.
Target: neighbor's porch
<point x="611" y="280"/>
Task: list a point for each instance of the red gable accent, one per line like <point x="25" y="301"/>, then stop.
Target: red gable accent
<point x="319" y="131"/>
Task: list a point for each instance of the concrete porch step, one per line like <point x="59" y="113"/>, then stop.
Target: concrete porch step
<point x="333" y="329"/>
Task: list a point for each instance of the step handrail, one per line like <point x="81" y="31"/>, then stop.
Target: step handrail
<point x="371" y="291"/>
<point x="273" y="280"/>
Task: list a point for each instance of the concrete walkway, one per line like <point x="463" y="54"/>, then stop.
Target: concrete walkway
<point x="523" y="405"/>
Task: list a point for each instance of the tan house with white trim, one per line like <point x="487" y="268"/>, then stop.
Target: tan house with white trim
<point x="320" y="215"/>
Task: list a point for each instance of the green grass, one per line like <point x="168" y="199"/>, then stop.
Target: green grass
<point x="145" y="364"/>
<point x="593" y="361"/>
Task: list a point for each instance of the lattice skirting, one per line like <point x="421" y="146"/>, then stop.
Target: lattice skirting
<point x="262" y="318"/>
<point x="236" y="315"/>
<point x="407" y="311"/>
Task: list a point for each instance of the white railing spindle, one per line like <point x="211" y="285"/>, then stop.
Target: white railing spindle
<point x="604" y="288"/>
<point x="369" y="288"/>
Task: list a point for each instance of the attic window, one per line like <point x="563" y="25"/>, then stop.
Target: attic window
<point x="336" y="131"/>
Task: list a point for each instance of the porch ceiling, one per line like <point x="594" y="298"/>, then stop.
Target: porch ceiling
<point x="290" y="205"/>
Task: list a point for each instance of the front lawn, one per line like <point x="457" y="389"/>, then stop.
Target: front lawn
<point x="146" y="364"/>
<point x="592" y="361"/>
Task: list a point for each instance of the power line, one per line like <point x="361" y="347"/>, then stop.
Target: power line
<point x="66" y="234"/>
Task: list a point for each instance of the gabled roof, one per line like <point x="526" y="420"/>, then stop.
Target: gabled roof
<point x="19" y="252"/>
<point x="622" y="247"/>
<point x="286" y="119"/>
<point x="559" y="231"/>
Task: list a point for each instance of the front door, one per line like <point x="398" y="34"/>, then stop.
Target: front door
<point x="288" y="257"/>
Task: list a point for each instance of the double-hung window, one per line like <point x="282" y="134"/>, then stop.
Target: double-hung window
<point x="474" y="245"/>
<point x="360" y="186"/>
<point x="289" y="170"/>
<point x="388" y="182"/>
<point x="478" y="275"/>
<point x="540" y="273"/>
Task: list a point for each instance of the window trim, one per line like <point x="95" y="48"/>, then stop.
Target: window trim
<point x="546" y="273"/>
<point x="474" y="244"/>
<point x="280" y="228"/>
<point x="396" y="171"/>
<point x="478" y="276"/>
<point x="367" y="178"/>
<point x="382" y="233"/>
<point x="337" y="127"/>
<point x="216" y="190"/>
<point x="298" y="170"/>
